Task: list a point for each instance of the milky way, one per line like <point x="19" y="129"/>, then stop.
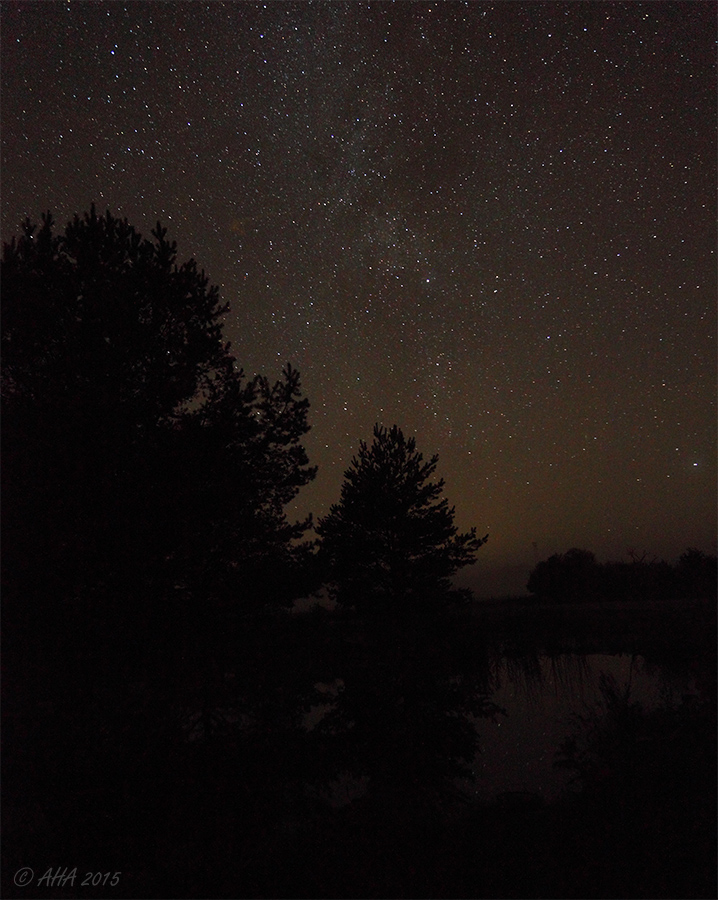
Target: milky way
<point x="491" y="224"/>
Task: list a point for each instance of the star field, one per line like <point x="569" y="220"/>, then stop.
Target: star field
<point x="491" y="224"/>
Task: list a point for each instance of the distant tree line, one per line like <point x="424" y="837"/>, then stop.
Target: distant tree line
<point x="577" y="576"/>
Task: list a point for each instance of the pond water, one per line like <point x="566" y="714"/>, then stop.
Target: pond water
<point x="540" y="694"/>
<point x="518" y="749"/>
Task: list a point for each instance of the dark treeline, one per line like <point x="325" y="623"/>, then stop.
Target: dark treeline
<point x="166" y="714"/>
<point x="577" y="576"/>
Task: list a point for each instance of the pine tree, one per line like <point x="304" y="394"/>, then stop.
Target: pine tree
<point x="390" y="548"/>
<point x="390" y="545"/>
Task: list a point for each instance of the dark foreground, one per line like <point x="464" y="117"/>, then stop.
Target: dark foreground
<point x="605" y="846"/>
<point x="225" y="819"/>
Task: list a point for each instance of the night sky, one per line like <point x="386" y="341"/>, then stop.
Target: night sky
<point x="491" y="224"/>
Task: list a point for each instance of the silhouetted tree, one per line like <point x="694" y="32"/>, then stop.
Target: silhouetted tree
<point x="697" y="574"/>
<point x="390" y="547"/>
<point x="571" y="576"/>
<point x="144" y="486"/>
<point x="126" y="421"/>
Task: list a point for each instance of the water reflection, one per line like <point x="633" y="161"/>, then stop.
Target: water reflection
<point x="531" y="676"/>
<point x="540" y="694"/>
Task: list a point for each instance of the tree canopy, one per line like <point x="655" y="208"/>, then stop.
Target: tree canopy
<point x="99" y="319"/>
<point x="127" y="424"/>
<point x="391" y="542"/>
